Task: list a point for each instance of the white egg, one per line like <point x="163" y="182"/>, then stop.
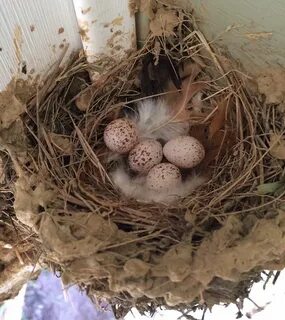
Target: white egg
<point x="121" y="135"/>
<point x="163" y="177"/>
<point x="145" y="155"/>
<point x="184" y="151"/>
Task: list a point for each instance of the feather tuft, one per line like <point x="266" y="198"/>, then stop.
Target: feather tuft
<point x="154" y="120"/>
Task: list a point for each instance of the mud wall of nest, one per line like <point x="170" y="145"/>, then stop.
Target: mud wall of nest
<point x="194" y="251"/>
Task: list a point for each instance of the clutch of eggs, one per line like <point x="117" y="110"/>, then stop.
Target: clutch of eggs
<point x="145" y="157"/>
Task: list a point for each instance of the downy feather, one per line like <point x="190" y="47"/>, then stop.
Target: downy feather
<point x="154" y="119"/>
<point x="135" y="188"/>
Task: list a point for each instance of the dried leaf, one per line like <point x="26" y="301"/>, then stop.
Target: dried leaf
<point x="61" y="143"/>
<point x="200" y="132"/>
<point x="210" y="157"/>
<point x="146" y="6"/>
<point x="277" y="146"/>
<point x="164" y="22"/>
<point x="83" y="100"/>
<point x="219" y="118"/>
<point x="216" y="147"/>
<point x="29" y="199"/>
<point x="214" y="150"/>
<point x="271" y="84"/>
<point x="190" y="70"/>
<point x="10" y="106"/>
<point x="180" y="111"/>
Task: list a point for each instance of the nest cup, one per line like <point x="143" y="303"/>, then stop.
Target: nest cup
<point x="190" y="254"/>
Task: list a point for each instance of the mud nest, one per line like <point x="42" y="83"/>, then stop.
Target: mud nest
<point x="204" y="249"/>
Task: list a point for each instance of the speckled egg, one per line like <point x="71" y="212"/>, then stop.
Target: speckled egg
<point x="145" y="155"/>
<point x="163" y="177"/>
<point x="184" y="151"/>
<point x="121" y="135"/>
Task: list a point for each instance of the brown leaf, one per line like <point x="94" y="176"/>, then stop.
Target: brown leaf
<point x="190" y="70"/>
<point x="189" y="91"/>
<point x="164" y="22"/>
<point x="219" y="118"/>
<point x="212" y="153"/>
<point x="83" y="100"/>
<point x="200" y="132"/>
<point x="10" y="106"/>
<point x="62" y="143"/>
<point x="180" y="112"/>
<point x="221" y="142"/>
<point x="277" y="146"/>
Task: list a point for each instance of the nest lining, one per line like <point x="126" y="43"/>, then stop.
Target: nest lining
<point x="190" y="253"/>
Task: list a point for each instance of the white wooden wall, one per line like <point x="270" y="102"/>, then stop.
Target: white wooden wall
<point x="253" y="31"/>
<point x="34" y="33"/>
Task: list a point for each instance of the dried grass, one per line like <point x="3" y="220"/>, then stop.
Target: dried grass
<point x="81" y="181"/>
<point x="19" y="246"/>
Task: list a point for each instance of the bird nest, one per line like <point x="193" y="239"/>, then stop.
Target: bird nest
<point x="205" y="248"/>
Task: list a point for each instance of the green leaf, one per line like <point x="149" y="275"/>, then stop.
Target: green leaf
<point x="267" y="188"/>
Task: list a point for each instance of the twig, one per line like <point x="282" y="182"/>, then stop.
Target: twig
<point x="204" y="313"/>
<point x="276" y="277"/>
<point x="269" y="275"/>
<point x="257" y="306"/>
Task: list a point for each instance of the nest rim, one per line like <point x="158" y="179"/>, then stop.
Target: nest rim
<point x="231" y="190"/>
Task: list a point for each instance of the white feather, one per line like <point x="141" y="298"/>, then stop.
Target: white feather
<point x="135" y="188"/>
<point x="154" y="120"/>
<point x="131" y="187"/>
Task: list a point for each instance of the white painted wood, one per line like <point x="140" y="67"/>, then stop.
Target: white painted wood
<point x="255" y="29"/>
<point x="107" y="27"/>
<point x="34" y="33"/>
